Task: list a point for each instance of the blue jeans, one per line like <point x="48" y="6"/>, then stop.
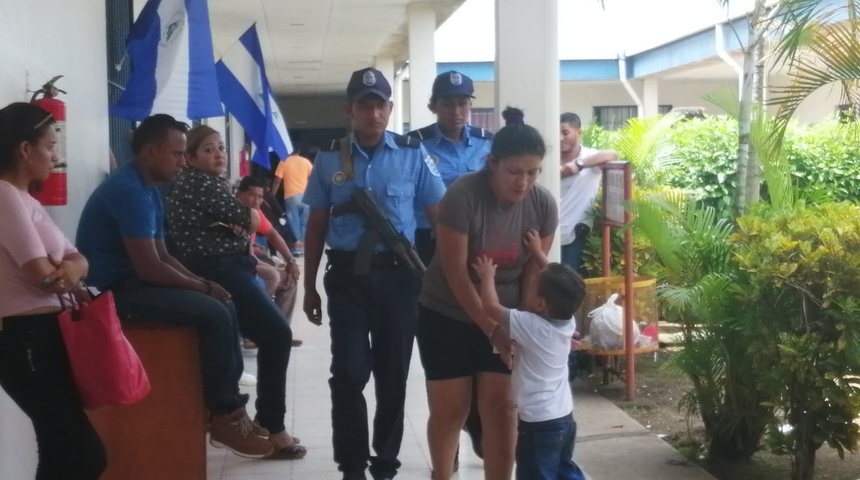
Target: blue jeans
<point x="373" y="319"/>
<point x="220" y="357"/>
<point x="571" y="254"/>
<point x="261" y="321"/>
<point x="545" y="450"/>
<point x="297" y="215"/>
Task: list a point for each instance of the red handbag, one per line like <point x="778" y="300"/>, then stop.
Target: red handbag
<point x="105" y="367"/>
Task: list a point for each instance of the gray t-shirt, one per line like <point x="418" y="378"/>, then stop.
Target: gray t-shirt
<point x="470" y="207"/>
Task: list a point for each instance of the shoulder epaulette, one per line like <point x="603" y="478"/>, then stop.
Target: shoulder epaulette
<point x="480" y="132"/>
<point x="423" y="133"/>
<point x="334" y="146"/>
<point x="407" y="141"/>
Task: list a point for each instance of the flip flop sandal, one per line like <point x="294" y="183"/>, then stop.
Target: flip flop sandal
<point x="292" y="452"/>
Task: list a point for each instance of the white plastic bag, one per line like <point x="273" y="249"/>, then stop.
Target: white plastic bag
<point x="607" y="325"/>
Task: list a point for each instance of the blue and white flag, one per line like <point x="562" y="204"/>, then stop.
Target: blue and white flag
<point x="246" y="93"/>
<point x="172" y="64"/>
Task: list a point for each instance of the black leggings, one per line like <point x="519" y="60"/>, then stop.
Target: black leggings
<point x="35" y="372"/>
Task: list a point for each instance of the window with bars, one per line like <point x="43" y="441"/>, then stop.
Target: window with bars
<point x="614" y="117"/>
<point x="485" y="118"/>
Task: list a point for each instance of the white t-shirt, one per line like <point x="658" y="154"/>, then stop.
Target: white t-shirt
<point x="540" y="365"/>
<point x="577" y="197"/>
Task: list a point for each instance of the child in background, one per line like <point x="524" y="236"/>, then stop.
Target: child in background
<point x="543" y="335"/>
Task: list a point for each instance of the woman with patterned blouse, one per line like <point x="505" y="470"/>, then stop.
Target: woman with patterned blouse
<point x="212" y="232"/>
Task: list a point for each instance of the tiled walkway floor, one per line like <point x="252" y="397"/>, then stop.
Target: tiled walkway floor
<point x="610" y="445"/>
<point x="309" y="418"/>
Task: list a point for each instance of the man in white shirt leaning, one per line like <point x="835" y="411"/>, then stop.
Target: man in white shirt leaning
<point x="581" y="174"/>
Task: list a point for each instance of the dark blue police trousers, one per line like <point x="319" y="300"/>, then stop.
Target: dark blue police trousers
<point x="373" y="320"/>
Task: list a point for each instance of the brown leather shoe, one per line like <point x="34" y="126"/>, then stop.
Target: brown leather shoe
<point x="235" y="432"/>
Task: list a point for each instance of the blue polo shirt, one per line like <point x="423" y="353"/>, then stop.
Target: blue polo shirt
<point x="123" y="206"/>
<point x="453" y="159"/>
<point x="398" y="174"/>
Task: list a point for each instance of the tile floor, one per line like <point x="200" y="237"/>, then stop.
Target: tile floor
<point x="308" y="417"/>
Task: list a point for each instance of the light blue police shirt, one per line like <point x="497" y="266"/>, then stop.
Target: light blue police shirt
<point x="400" y="176"/>
<point x="453" y="159"/>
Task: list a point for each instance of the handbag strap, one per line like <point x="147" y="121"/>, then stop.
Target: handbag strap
<point x="68" y="301"/>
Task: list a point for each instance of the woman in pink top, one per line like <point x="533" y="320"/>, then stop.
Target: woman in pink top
<point x="37" y="263"/>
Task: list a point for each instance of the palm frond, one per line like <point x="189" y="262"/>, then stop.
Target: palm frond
<point x="797" y="23"/>
<point x="830" y="54"/>
<point x="725" y="98"/>
<point x="651" y="221"/>
<point x="645" y="143"/>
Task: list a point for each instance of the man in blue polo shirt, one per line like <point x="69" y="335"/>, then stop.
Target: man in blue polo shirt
<point x="121" y="233"/>
<point x="373" y="316"/>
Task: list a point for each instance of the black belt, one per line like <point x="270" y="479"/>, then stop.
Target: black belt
<point x="346" y="258"/>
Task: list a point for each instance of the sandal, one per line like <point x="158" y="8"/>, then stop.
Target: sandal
<point x="290" y="452"/>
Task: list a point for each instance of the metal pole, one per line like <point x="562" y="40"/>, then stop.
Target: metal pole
<point x="628" y="288"/>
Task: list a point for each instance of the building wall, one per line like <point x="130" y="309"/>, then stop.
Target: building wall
<point x="313" y="111"/>
<point x="582" y="97"/>
<point x="821" y="104"/>
<point x="32" y="50"/>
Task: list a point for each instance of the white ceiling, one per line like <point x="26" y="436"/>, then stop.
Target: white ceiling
<point x="312" y="46"/>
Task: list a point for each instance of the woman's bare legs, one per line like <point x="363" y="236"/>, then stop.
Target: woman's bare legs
<point x="449" y="402"/>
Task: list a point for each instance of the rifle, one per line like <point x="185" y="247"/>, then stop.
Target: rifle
<point x="382" y="229"/>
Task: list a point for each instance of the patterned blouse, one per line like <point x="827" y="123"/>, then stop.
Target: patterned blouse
<point x="198" y="206"/>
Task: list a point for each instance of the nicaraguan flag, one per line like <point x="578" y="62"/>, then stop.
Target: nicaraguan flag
<point x="246" y="93"/>
<point x="172" y="64"/>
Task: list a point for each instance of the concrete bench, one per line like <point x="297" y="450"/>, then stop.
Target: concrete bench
<point x="163" y="437"/>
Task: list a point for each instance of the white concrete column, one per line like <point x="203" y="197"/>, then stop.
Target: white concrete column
<point x="422" y="62"/>
<point x="527" y="75"/>
<point x="651" y="97"/>
<point x="400" y="99"/>
<point x="386" y="66"/>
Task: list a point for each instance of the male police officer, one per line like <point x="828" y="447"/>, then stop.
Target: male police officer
<point x="456" y="147"/>
<point x="373" y="314"/>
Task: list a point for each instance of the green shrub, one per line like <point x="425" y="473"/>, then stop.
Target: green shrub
<point x="802" y="278"/>
<point x="825" y="160"/>
<point x="706" y="150"/>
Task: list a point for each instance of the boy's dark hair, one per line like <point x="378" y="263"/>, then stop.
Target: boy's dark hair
<point x="250" y="182"/>
<point x="154" y="129"/>
<point x="562" y="289"/>
<point x="571" y="118"/>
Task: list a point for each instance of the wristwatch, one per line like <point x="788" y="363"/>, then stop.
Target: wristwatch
<point x="292" y="260"/>
<point x="580" y="164"/>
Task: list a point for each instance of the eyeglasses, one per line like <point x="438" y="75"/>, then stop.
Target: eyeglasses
<point x="43" y="122"/>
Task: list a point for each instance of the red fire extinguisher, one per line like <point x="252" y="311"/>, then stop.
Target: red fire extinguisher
<point x="244" y="163"/>
<point x="53" y="191"/>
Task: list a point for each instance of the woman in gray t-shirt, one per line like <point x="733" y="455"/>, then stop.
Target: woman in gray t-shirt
<point x="483" y="213"/>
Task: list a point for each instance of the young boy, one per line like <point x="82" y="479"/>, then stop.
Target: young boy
<point x="542" y="334"/>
